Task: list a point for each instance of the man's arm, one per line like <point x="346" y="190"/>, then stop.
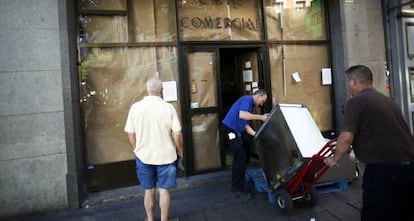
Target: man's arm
<point x="178" y="140"/>
<point x="245" y="115"/>
<point x="343" y="145"/>
<point x="250" y="130"/>
<point x="132" y="140"/>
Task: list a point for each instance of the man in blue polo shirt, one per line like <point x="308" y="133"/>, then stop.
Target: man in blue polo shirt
<point x="233" y="127"/>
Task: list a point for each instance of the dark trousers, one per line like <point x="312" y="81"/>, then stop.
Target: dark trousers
<point x="388" y="192"/>
<point x="240" y="157"/>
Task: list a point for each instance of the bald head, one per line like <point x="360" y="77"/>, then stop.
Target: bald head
<point x="154" y="86"/>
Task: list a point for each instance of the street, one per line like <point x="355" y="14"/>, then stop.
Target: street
<point x="213" y="201"/>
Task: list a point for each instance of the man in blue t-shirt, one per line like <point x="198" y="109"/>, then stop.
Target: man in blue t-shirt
<point x="233" y="127"/>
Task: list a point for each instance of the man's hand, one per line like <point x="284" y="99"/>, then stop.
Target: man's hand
<point x="250" y="130"/>
<point x="343" y="145"/>
<point x="265" y="117"/>
<point x="180" y="153"/>
<point x="132" y="140"/>
<point x="178" y="140"/>
<point x="331" y="162"/>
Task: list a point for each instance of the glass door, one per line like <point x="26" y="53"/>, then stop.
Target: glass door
<point x="204" y="140"/>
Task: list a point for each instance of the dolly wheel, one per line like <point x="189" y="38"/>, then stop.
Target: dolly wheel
<point x="312" y="198"/>
<point x="283" y="201"/>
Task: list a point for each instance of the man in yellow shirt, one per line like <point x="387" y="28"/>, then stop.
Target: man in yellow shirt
<point x="154" y="132"/>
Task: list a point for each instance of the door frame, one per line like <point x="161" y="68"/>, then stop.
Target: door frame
<point x="185" y="93"/>
<point x="187" y="112"/>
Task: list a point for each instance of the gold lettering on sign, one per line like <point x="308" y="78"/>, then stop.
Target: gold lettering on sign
<point x="218" y="23"/>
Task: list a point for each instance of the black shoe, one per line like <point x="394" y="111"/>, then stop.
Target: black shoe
<point x="243" y="196"/>
<point x="246" y="196"/>
<point x="236" y="194"/>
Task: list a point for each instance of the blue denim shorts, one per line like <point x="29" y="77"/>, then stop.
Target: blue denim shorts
<point x="148" y="175"/>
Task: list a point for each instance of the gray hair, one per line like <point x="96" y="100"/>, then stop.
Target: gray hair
<point x="361" y="72"/>
<point x="154" y="85"/>
<point x="260" y="92"/>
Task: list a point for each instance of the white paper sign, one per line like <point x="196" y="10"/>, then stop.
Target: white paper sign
<point x="326" y="76"/>
<point x="169" y="92"/>
<point x="247" y="76"/>
<point x="195" y="105"/>
<point x="296" y="77"/>
<point x="248" y="87"/>
<point x="247" y="64"/>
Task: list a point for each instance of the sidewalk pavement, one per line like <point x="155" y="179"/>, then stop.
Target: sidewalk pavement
<point x="208" y="198"/>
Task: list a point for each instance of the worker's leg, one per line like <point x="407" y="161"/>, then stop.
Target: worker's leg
<point x="246" y="138"/>
<point x="165" y="199"/>
<point x="235" y="143"/>
<point x="239" y="164"/>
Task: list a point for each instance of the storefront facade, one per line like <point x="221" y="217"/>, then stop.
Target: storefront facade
<point x="207" y="52"/>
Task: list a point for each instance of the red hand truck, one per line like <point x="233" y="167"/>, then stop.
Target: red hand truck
<point x="300" y="185"/>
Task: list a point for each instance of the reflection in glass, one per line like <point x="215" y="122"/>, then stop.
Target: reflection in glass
<point x="151" y="21"/>
<point x="103" y="29"/>
<point x="121" y="21"/>
<point x="112" y="80"/>
<point x="296" y="20"/>
<point x="101" y="5"/>
<point x="288" y="59"/>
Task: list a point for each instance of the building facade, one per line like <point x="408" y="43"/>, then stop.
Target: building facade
<point x="71" y="69"/>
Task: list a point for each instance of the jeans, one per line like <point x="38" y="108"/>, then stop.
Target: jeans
<point x="240" y="157"/>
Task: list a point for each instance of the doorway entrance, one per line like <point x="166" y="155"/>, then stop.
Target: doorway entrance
<point x="213" y="79"/>
<point x="240" y="71"/>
